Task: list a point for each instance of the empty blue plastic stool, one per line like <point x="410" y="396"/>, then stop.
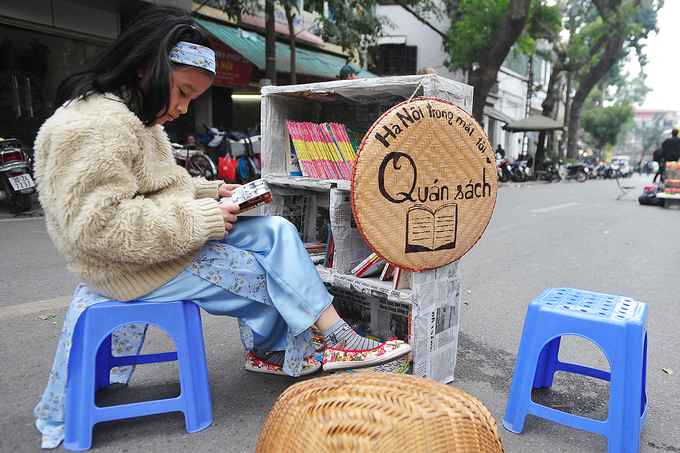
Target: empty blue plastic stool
<point x="90" y="364"/>
<point x="618" y="325"/>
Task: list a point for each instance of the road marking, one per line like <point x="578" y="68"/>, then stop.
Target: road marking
<point x="35" y="307"/>
<point x="559" y="206"/>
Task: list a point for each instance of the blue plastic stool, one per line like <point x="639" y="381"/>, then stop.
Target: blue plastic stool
<point x="90" y="364"/>
<point x="616" y="324"/>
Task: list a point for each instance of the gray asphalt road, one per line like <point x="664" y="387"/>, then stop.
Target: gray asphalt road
<point x="540" y="235"/>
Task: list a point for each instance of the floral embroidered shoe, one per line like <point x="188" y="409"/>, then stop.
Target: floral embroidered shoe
<point x="309" y="366"/>
<point x="317" y="339"/>
<point x="335" y="359"/>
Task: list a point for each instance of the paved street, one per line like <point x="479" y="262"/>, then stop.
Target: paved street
<point x="541" y="235"/>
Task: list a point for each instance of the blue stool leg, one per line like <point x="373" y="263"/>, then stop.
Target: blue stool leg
<point x="193" y="370"/>
<point x="547" y="364"/>
<point x="80" y="389"/>
<point x="103" y="373"/>
<point x="627" y="398"/>
<point x="521" y="386"/>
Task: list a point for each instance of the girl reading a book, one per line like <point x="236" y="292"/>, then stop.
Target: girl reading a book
<point x="136" y="226"/>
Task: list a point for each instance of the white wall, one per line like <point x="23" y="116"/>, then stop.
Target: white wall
<point x="429" y="43"/>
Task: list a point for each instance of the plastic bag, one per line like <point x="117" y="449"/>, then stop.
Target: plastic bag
<point x="227" y="169"/>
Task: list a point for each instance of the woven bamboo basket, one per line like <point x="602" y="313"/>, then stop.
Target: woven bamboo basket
<point x="377" y="413"/>
<point x="424" y="185"/>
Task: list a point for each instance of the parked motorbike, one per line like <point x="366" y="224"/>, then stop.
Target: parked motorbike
<point x="16" y="174"/>
<point x="598" y="171"/>
<point x="523" y="171"/>
<point x="579" y="172"/>
<point x="195" y="161"/>
<point x="504" y="170"/>
<point x="555" y="171"/>
<point x="619" y="169"/>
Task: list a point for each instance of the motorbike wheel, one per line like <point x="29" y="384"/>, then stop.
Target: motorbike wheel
<point x="502" y="176"/>
<point x="23" y="201"/>
<point x="554" y="177"/>
<point x="581" y="176"/>
<point x="201" y="165"/>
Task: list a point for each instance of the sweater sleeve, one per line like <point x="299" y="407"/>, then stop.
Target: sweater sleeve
<point x="108" y="196"/>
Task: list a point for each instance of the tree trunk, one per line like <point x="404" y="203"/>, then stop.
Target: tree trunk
<point x="493" y="55"/>
<point x="270" y="41"/>
<point x="588" y="81"/>
<point x="551" y="99"/>
<point x="291" y="34"/>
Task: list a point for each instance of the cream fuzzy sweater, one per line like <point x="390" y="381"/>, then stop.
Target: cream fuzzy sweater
<point x="127" y="218"/>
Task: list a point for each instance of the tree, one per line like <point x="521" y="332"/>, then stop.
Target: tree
<point x="622" y="24"/>
<point x="481" y="34"/>
<point x="604" y="124"/>
<point x="349" y="24"/>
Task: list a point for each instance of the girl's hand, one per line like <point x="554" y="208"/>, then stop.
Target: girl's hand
<point x="229" y="212"/>
<point x="224" y="190"/>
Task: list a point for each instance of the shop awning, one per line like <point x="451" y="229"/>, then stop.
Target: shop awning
<point x="252" y="46"/>
<point x="535" y="123"/>
<point x="497" y="114"/>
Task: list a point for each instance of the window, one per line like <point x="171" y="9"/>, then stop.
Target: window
<point x="394" y="59"/>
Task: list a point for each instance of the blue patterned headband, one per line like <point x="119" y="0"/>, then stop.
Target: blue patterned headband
<point x="193" y="55"/>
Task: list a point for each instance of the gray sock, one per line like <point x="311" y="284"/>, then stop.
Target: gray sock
<point x="341" y="336"/>
<point x="273" y="357"/>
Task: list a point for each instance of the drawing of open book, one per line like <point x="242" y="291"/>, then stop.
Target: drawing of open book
<point x="427" y="230"/>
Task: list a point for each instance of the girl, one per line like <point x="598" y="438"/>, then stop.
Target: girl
<point x="135" y="226"/>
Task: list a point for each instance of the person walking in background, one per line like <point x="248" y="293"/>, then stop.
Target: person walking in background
<point x="658" y="158"/>
<point x="671" y="147"/>
<point x="500" y="152"/>
<point x="348" y="72"/>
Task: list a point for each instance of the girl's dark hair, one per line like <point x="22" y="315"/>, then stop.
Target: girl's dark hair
<point x="143" y="47"/>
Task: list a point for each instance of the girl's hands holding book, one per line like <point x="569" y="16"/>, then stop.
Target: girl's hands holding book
<point x="229" y="211"/>
<point x="225" y="190"/>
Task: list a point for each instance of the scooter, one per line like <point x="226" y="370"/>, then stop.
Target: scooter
<point x="579" y="172"/>
<point x="16" y="178"/>
<point x="505" y="173"/>
<point x="555" y="171"/>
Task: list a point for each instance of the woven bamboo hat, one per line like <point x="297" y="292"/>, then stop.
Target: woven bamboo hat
<point x="378" y="413"/>
<point x="425" y="184"/>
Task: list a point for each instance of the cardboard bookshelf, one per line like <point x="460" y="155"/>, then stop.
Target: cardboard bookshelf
<point x="426" y="315"/>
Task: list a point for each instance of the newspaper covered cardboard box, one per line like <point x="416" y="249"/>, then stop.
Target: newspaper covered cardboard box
<point x="427" y="314"/>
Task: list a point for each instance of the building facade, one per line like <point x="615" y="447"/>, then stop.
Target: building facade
<point x="41" y="41"/>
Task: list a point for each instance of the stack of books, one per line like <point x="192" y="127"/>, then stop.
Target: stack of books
<point x="326" y="151"/>
<point x="316" y="250"/>
<point x="370" y="266"/>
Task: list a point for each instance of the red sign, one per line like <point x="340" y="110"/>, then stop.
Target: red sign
<point x="233" y="70"/>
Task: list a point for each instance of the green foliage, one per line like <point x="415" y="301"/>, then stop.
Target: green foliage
<point x="604" y="124"/>
<point x="350" y="24"/>
<point x="473" y="22"/>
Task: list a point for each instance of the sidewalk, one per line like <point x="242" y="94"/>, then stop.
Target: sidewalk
<point x="567" y="234"/>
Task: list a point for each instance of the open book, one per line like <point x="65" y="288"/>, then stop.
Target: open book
<point x="248" y="196"/>
<point x="427" y="230"/>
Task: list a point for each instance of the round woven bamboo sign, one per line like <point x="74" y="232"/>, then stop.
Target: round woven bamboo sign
<point x="424" y="185"/>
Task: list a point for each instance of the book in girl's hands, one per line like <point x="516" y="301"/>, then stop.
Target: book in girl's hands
<point x="249" y="196"/>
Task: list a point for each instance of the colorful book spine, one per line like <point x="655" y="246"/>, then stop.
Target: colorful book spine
<point x="326" y="150"/>
<point x="313" y="141"/>
<point x="345" y="144"/>
<point x="338" y="158"/>
<point x="300" y="150"/>
<point x="316" y="157"/>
